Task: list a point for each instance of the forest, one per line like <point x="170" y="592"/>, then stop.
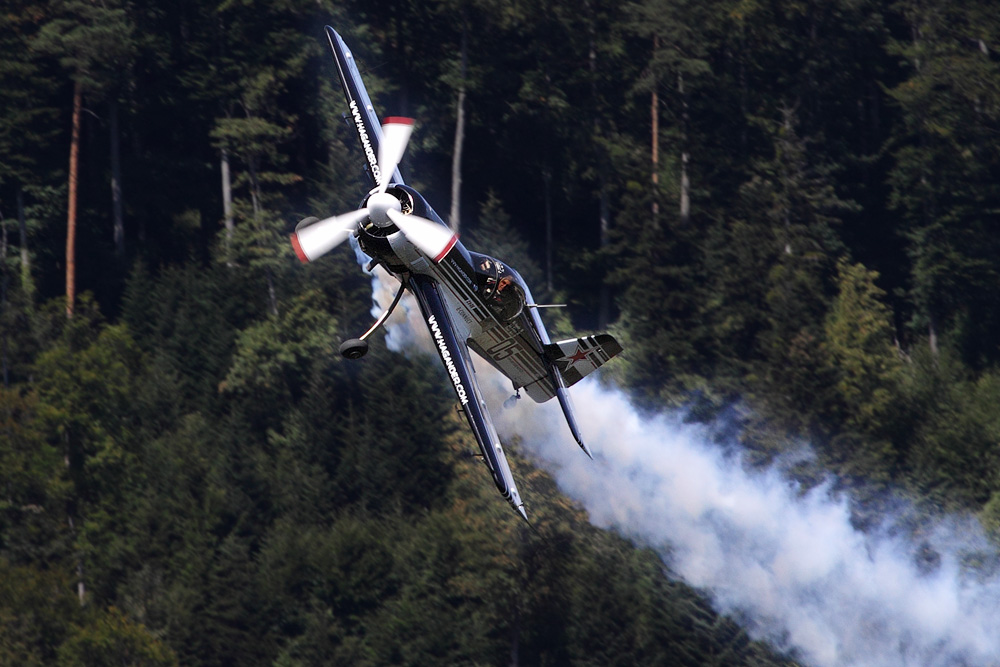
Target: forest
<point x="790" y="206"/>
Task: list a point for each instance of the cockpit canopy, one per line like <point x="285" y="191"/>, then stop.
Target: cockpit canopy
<point x="500" y="287"/>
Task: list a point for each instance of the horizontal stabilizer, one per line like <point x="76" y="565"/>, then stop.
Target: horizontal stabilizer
<point x="578" y="357"/>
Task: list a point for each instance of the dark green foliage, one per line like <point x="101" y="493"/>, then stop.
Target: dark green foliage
<point x="32" y="475"/>
<point x="191" y="455"/>
<point x="944" y="180"/>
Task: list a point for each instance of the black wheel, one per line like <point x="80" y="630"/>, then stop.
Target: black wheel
<point x="354" y="348"/>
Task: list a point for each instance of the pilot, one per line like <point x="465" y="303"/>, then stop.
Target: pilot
<point x="502" y="285"/>
<point x="508" y="299"/>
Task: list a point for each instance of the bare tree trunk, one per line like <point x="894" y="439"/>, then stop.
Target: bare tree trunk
<point x="258" y="209"/>
<point x="932" y="338"/>
<point x="654" y="112"/>
<point x="685" y="183"/>
<point x="547" y="178"/>
<point x="26" y="283"/>
<point x="454" y="219"/>
<point x="603" y="205"/>
<point x="3" y="299"/>
<point x="116" y="182"/>
<point x="227" y="205"/>
<point x="72" y="508"/>
<point x="272" y="294"/>
<point x="515" y="639"/>
<point x="81" y="586"/>
<point x="74" y="160"/>
<point x="604" y="210"/>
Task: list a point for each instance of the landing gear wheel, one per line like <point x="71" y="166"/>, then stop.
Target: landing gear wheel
<point x="355" y="348"/>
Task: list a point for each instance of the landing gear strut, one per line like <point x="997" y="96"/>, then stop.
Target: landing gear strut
<point x="355" y="348"/>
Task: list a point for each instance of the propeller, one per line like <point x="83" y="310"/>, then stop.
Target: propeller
<point x="313" y="238"/>
<point x="395" y="135"/>
<point x="434" y="240"/>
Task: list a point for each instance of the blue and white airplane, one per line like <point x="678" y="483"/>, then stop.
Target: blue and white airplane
<point x="468" y="300"/>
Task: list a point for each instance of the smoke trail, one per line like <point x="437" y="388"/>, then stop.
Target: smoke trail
<point x="788" y="565"/>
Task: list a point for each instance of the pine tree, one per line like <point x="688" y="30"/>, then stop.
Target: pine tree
<point x="945" y="175"/>
<point x="93" y="43"/>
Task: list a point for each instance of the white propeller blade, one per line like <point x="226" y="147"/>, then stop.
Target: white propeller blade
<point x="432" y="239"/>
<point x="319" y="238"/>
<point x="395" y="135"/>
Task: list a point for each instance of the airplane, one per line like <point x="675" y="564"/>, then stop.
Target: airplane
<point x="469" y="301"/>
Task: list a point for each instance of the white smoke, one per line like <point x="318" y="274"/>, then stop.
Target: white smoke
<point x="790" y="565"/>
<point x="787" y="564"/>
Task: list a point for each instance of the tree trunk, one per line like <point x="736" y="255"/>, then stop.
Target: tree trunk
<point x="227" y="205"/>
<point x="547" y="178"/>
<point x="454" y="219"/>
<point x="74" y="159"/>
<point x="685" y="183"/>
<point x="603" y="203"/>
<point x="3" y="301"/>
<point x="515" y="638"/>
<point x="81" y="585"/>
<point x="654" y="112"/>
<point x="272" y="294"/>
<point x="116" y="182"/>
<point x="932" y="338"/>
<point x="604" y="210"/>
<point x="26" y="284"/>
<point x="256" y="197"/>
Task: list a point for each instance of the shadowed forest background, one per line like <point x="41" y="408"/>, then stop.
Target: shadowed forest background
<point x="787" y="205"/>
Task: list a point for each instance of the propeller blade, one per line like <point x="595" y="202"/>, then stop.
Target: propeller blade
<point x="313" y="239"/>
<point x="395" y="135"/>
<point x="432" y="239"/>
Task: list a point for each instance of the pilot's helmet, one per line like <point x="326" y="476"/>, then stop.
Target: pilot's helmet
<point x="508" y="301"/>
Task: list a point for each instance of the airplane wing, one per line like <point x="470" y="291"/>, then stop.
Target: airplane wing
<point x="455" y="356"/>
<point x="363" y="117"/>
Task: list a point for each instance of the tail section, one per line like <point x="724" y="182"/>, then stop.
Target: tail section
<point x="571" y="360"/>
<point x="578" y="357"/>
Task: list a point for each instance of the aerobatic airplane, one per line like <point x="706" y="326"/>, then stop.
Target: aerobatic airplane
<point x="468" y="300"/>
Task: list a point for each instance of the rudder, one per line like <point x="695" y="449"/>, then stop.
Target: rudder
<point x="576" y="358"/>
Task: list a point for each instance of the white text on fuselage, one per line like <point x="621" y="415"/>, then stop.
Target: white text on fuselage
<point x="460" y="271"/>
<point x="366" y="143"/>
<point x="449" y="364"/>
